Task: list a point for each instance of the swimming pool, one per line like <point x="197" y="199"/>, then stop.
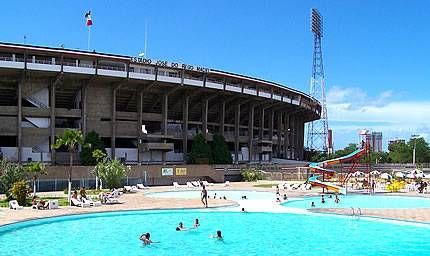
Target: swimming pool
<point x="234" y="195"/>
<point x="117" y="233"/>
<point x="362" y="201"/>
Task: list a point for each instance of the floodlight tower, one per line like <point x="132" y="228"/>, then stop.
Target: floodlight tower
<point x="317" y="138"/>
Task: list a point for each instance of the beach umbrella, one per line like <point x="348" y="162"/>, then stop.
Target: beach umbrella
<point x="386" y="176"/>
<point x="375" y="172"/>
<point x="400" y="174"/>
<point x="357" y="174"/>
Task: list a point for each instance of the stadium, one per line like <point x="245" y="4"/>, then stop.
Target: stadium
<point x="145" y="111"/>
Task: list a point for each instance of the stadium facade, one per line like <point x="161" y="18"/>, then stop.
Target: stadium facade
<point x="144" y="110"/>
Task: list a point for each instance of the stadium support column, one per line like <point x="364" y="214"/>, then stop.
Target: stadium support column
<point x="52" y="121"/>
<point x="113" y="122"/>
<point x="250" y="132"/>
<point x="222" y="117"/>
<point x="84" y="93"/>
<point x="299" y="138"/>
<point x="279" y="122"/>
<point x="139" y="125"/>
<point x="236" y="132"/>
<point x="261" y="133"/>
<point x="292" y="137"/>
<point x="205" y="104"/>
<point x="287" y="134"/>
<point x="185" y="125"/>
<point x="164" y="114"/>
<point x="301" y="141"/>
<point x="271" y="133"/>
<point x="19" y="128"/>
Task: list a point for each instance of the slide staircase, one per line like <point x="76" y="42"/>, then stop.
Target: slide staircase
<point x="321" y="168"/>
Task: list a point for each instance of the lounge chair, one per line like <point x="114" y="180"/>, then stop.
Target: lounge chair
<point x="76" y="202"/>
<point x="131" y="189"/>
<point x="295" y="186"/>
<point x="176" y="185"/>
<point x="303" y="186"/>
<point x="190" y="185"/>
<point x="207" y="183"/>
<point x="195" y="183"/>
<point x="287" y="186"/>
<point x="141" y="186"/>
<point x="13" y="204"/>
<point x="91" y="202"/>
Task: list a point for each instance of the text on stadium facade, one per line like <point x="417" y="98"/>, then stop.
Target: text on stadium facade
<point x="168" y="64"/>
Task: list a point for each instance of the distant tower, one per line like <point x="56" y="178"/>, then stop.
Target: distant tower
<point x="318" y="130"/>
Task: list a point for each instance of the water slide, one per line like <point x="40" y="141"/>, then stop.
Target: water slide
<point x="321" y="168"/>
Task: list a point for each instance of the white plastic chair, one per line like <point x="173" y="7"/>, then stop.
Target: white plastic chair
<point x="13" y="204"/>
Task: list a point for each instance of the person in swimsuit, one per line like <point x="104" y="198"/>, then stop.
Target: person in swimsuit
<point x="181" y="227"/>
<point x="217" y="236"/>
<point x="146" y="239"/>
<point x="204" y="197"/>
<point x="196" y="223"/>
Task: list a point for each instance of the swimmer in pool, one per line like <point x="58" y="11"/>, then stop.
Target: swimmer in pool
<point x="181" y="227"/>
<point x="336" y="199"/>
<point x="217" y="236"/>
<point x="312" y="204"/>
<point x="196" y="223"/>
<point x="146" y="238"/>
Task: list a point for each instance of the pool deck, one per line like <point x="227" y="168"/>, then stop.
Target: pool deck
<point x="138" y="201"/>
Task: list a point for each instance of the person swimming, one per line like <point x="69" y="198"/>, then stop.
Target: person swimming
<point x="146" y="238"/>
<point x="336" y="199"/>
<point x="322" y="199"/>
<point x="196" y="223"/>
<point x="218" y="235"/>
<point x="181" y="227"/>
<point x="312" y="204"/>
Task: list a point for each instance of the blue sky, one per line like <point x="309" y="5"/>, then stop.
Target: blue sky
<point x="375" y="52"/>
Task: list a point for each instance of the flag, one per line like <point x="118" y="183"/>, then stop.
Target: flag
<point x="88" y="19"/>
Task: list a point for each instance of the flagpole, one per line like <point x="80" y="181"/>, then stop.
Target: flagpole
<point x="89" y="37"/>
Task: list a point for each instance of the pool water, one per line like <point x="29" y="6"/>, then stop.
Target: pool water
<point x="361" y="201"/>
<point x="234" y="195"/>
<point x="244" y="234"/>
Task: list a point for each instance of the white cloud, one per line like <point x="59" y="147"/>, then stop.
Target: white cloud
<point x="351" y="109"/>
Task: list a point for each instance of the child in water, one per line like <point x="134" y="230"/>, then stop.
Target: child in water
<point x="218" y="235"/>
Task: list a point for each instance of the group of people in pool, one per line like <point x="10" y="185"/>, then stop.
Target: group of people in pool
<point x="278" y="196"/>
<point x="146" y="237"/>
<point x="336" y="200"/>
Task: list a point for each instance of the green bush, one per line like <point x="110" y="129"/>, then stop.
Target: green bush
<point x="251" y="175"/>
<point x="200" y="151"/>
<point x="111" y="173"/>
<point x="93" y="142"/>
<point x="9" y="174"/>
<point x="19" y="191"/>
<point x="220" y="152"/>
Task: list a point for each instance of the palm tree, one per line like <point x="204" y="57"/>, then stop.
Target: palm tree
<point x="70" y="139"/>
<point x="100" y="157"/>
<point x="35" y="169"/>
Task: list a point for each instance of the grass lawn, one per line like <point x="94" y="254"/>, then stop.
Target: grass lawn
<point x="268" y="185"/>
<point x="62" y="201"/>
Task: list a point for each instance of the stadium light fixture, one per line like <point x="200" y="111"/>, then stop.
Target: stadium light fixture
<point x="316" y="23"/>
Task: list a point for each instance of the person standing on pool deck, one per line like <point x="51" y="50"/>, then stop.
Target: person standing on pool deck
<point x="322" y="199"/>
<point x="204" y="196"/>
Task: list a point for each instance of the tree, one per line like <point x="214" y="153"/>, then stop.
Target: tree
<point x="422" y="149"/>
<point x="100" y="157"/>
<point x="400" y="152"/>
<point x="200" y="151"/>
<point x="9" y="174"/>
<point x="35" y="169"/>
<point x="94" y="142"/>
<point x="112" y="172"/>
<point x="70" y="139"/>
<point x="19" y="191"/>
<point x="220" y="152"/>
